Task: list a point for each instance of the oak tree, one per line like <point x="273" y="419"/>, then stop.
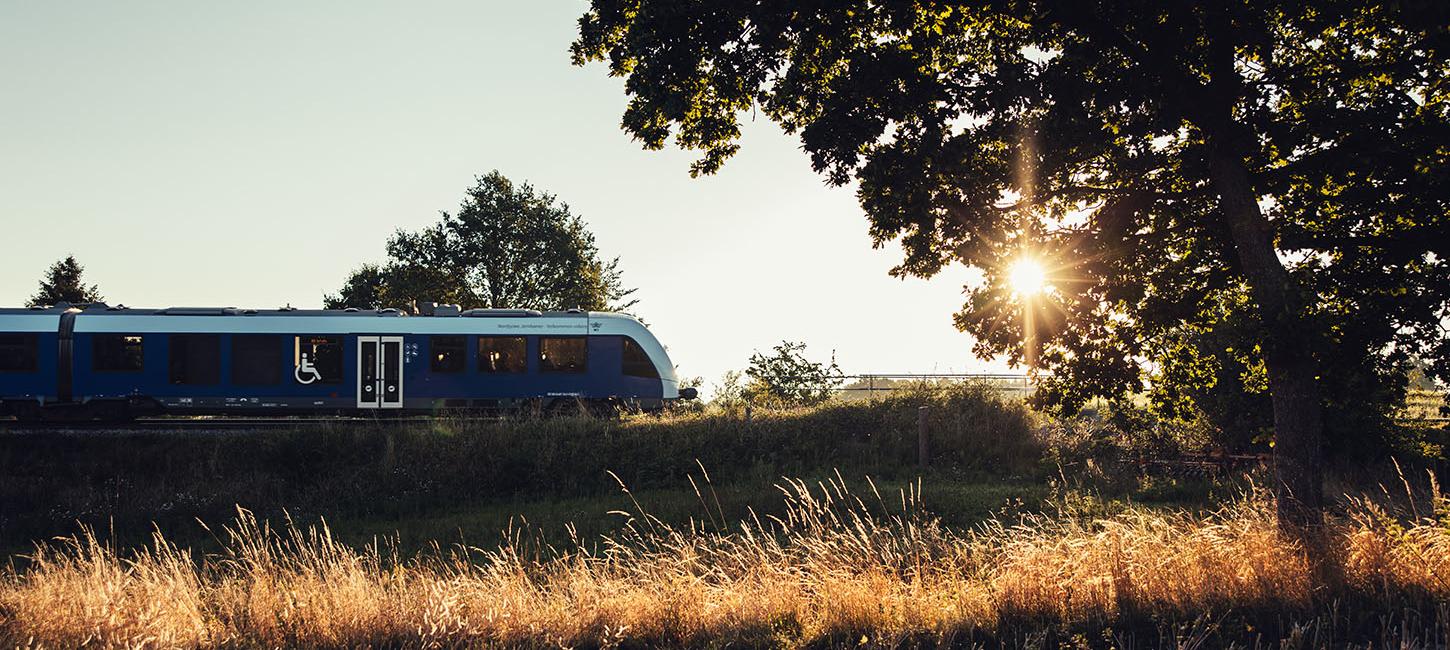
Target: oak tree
<point x="1163" y="160"/>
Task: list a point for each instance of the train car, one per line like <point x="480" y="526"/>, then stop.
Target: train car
<point x="107" y="362"/>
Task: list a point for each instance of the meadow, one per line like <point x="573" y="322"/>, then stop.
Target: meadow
<point x="691" y="530"/>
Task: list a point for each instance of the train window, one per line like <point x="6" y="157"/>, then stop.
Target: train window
<point x="563" y="353"/>
<point x="636" y="362"/>
<point x="317" y="359"/>
<point x="117" y="353"/>
<point x="256" y="360"/>
<point x="448" y="353"/>
<point x="195" y="359"/>
<point x="502" y="354"/>
<point x="18" y="352"/>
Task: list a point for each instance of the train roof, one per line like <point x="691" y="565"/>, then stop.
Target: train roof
<point x="434" y="319"/>
<point x="427" y="311"/>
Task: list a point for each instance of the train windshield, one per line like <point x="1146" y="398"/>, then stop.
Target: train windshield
<point x="636" y="362"/>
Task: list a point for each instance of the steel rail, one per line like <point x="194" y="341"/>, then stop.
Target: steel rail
<point x="195" y="424"/>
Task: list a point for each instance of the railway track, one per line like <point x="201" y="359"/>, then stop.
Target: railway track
<point x="196" y="424"/>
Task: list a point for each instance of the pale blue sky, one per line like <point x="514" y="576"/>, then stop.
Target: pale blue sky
<point x="251" y="154"/>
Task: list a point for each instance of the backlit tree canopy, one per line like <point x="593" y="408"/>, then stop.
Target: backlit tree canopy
<point x="508" y="246"/>
<point x="1164" y="162"/>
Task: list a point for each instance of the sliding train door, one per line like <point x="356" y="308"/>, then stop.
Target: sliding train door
<point x="380" y="372"/>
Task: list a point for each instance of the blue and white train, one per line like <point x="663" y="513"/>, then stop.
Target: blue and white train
<point x="95" y="361"/>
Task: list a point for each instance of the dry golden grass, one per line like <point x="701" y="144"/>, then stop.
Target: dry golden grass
<point x="1422" y="405"/>
<point x="836" y="570"/>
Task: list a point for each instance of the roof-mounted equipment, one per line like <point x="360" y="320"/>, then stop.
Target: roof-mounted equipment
<point x="435" y="309"/>
<point x="197" y="311"/>
<point x="503" y="313"/>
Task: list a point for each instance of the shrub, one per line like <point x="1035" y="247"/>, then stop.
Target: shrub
<point x="787" y="378"/>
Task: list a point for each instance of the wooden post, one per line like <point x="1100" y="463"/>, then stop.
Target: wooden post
<point x="923" y="453"/>
<point x="389" y="452"/>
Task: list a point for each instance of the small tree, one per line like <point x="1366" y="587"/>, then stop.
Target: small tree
<point x="787" y="378"/>
<point x="62" y="283"/>
<point x="509" y="245"/>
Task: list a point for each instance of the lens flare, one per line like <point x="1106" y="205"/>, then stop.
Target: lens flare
<point x="1026" y="278"/>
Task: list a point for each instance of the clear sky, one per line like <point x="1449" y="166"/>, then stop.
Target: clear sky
<point x="251" y="154"/>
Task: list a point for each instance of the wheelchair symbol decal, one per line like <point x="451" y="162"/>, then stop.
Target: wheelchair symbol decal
<point x="305" y="372"/>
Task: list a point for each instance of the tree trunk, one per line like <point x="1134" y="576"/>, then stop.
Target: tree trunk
<point x="1289" y="338"/>
<point x="1288" y="352"/>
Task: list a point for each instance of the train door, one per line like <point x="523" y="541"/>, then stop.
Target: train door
<point x="380" y="372"/>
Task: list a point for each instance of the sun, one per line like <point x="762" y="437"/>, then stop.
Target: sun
<point x="1026" y="278"/>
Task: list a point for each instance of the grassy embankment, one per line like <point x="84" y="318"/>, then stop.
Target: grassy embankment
<point x="693" y="562"/>
<point x="445" y="479"/>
